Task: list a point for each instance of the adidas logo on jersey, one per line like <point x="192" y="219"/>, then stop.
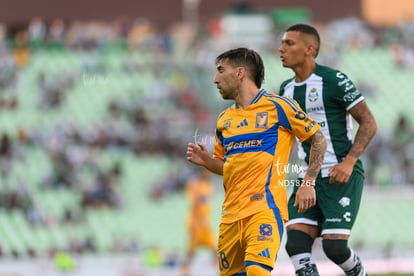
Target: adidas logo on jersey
<point x="265" y="253"/>
<point x="242" y="124"/>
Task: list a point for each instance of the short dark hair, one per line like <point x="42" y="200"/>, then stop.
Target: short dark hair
<point x="309" y="30"/>
<point x="247" y="58"/>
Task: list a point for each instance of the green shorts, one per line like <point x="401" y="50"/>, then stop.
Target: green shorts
<point x="336" y="206"/>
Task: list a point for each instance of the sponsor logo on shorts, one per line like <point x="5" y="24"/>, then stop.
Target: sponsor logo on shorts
<point x="263" y="238"/>
<point x="257" y="197"/>
<point x="345" y="201"/>
<point x="265" y="253"/>
<point x="266" y="229"/>
<point x="333" y="220"/>
<point x="347" y="216"/>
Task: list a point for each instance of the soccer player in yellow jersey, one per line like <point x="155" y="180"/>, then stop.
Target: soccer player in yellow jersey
<point x="253" y="141"/>
<point x="199" y="191"/>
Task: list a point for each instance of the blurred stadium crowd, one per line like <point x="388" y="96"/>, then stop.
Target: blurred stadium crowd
<point x="76" y="97"/>
<point x="150" y="121"/>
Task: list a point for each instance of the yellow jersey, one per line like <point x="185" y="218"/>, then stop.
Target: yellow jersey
<point x="255" y="145"/>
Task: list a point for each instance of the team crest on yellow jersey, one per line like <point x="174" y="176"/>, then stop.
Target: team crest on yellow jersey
<point x="262" y="120"/>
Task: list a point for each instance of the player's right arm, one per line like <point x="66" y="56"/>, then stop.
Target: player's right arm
<point x="292" y="117"/>
<point x="305" y="196"/>
<point x="198" y="154"/>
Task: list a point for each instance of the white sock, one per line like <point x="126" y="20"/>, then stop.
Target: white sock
<point x="353" y="266"/>
<point x="304" y="262"/>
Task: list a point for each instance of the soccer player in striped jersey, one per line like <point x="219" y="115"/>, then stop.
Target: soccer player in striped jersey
<point x="331" y="99"/>
<point x="253" y="141"/>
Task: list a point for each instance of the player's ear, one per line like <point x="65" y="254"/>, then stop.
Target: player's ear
<point x="311" y="50"/>
<point x="241" y="71"/>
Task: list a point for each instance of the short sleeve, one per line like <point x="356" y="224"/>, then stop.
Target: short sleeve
<point x="218" y="145"/>
<point x="346" y="93"/>
<point x="292" y="117"/>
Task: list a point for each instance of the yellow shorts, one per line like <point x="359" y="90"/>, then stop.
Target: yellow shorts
<point x="254" y="240"/>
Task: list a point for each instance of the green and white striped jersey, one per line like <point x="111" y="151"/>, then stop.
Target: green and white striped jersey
<point x="326" y="96"/>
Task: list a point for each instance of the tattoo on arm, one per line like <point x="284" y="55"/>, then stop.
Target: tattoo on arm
<point x="366" y="130"/>
<point x="317" y="153"/>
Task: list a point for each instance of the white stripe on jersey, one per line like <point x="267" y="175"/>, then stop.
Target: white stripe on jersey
<point x="316" y="109"/>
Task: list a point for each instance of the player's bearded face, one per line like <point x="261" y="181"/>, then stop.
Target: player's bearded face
<point x="228" y="91"/>
<point x="226" y="80"/>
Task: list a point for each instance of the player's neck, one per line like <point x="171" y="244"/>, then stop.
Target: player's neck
<point x="246" y="96"/>
<point x="303" y="72"/>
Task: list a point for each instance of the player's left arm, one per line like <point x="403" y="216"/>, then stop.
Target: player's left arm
<point x="340" y="173"/>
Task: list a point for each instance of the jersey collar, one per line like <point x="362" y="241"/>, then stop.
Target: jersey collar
<point x="310" y="76"/>
<point x="256" y="98"/>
